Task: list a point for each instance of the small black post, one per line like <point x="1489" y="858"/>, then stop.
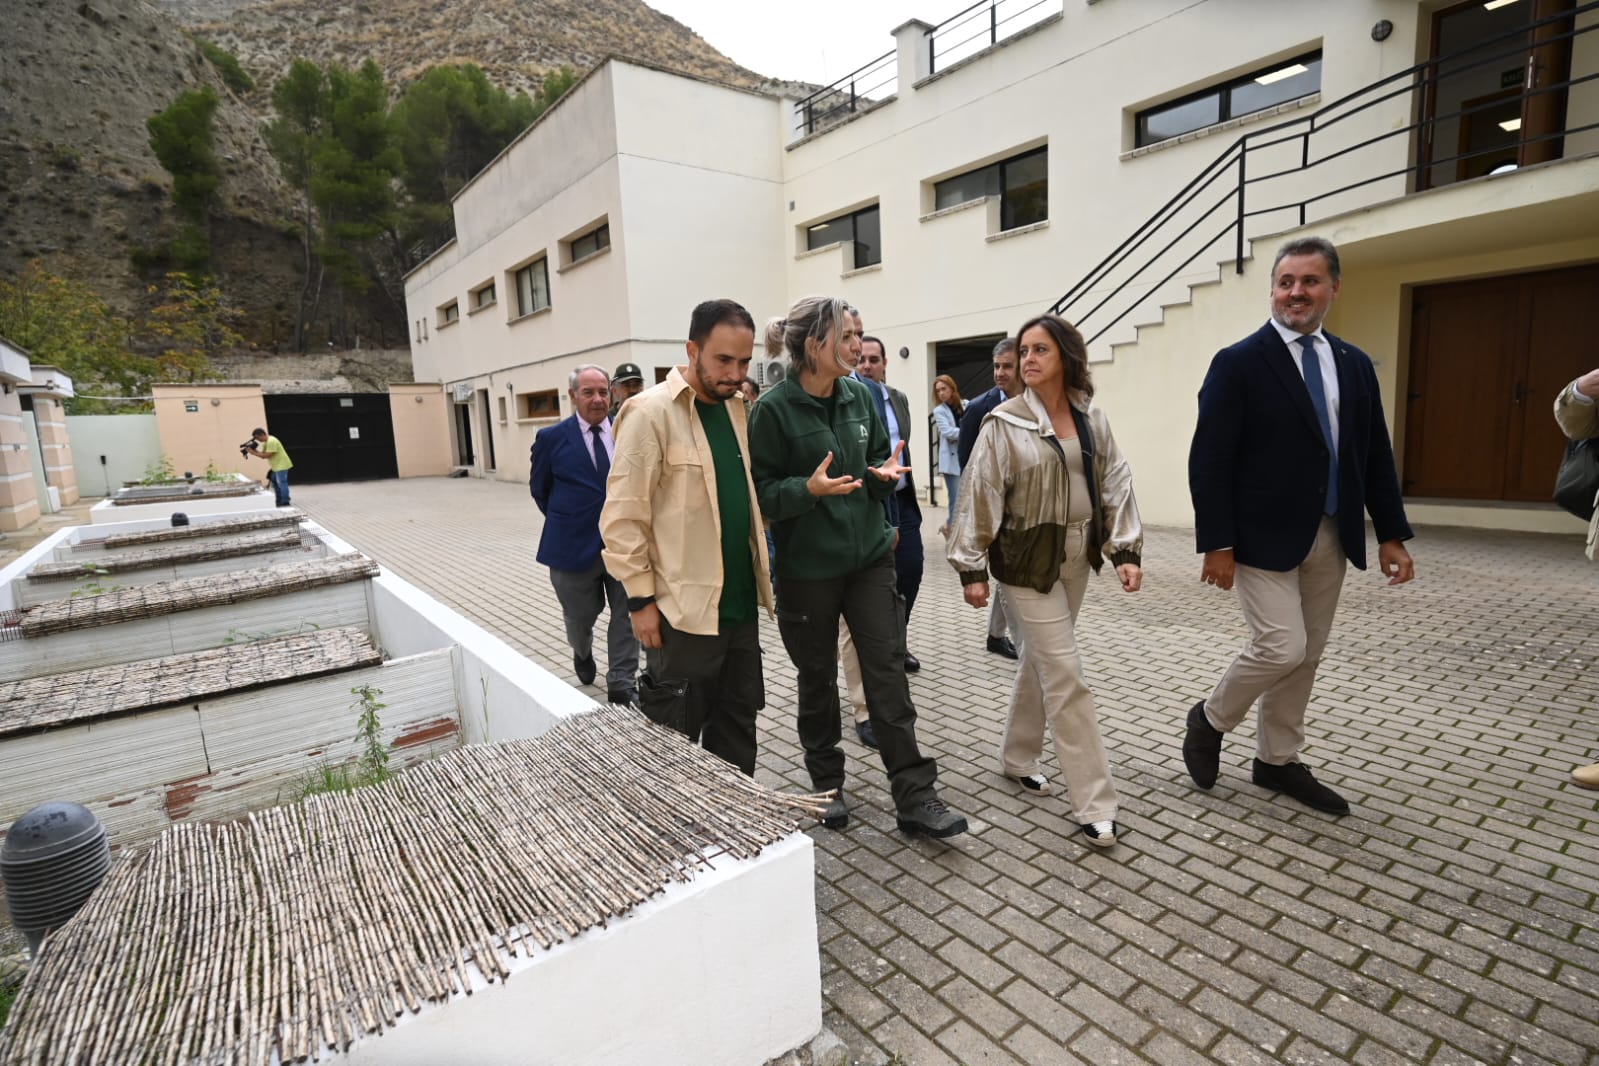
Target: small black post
<point x="1238" y="262"/>
<point x="993" y="21"/>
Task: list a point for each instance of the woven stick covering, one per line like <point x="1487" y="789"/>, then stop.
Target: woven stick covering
<point x="192" y="593"/>
<point x="199" y="529"/>
<point x="181" y="495"/>
<point x="305" y="927"/>
<point x="170" y="555"/>
<point x="41" y="702"/>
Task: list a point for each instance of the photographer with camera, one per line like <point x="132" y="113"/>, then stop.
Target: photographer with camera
<point x="262" y="446"/>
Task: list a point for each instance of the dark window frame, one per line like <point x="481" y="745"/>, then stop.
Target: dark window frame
<point x="1223" y="92"/>
<point x="850" y="217"/>
<point x="516" y="285"/>
<point x="601" y="236"/>
<point x="450" y="312"/>
<point x="1008" y="206"/>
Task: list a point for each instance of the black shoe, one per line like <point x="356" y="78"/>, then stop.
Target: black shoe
<point x="1295" y="781"/>
<point x="867" y="734"/>
<point x="585" y="669"/>
<point x="627" y="696"/>
<point x="1002" y="646"/>
<point x="912" y="664"/>
<point x="1101" y="834"/>
<point x="836" y="814"/>
<point x="1202" y="747"/>
<point x="932" y="818"/>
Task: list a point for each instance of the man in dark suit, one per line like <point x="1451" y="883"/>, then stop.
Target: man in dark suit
<point x="905" y="512"/>
<point x="571" y="461"/>
<point x="1290" y="449"/>
<point x="1007" y="385"/>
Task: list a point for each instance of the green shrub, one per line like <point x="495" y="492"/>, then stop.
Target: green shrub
<point x="234" y="76"/>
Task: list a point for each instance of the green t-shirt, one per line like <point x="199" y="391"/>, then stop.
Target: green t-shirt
<point x="277" y="455"/>
<point x="733" y="501"/>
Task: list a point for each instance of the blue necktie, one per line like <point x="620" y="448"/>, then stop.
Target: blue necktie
<point x="602" y="458"/>
<point x="1318" y="399"/>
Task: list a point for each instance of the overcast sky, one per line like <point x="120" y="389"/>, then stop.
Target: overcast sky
<point x="803" y="40"/>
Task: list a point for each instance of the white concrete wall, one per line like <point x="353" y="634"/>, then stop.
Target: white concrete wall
<point x="723" y="970"/>
<point x="128" y="443"/>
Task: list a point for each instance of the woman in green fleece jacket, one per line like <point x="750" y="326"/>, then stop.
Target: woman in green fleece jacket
<point x="820" y="457"/>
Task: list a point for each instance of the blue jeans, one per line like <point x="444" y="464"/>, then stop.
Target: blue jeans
<point x="952" y="484"/>
<point x="280" y="485"/>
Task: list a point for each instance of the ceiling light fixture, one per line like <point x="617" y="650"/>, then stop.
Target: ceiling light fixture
<point x="1493" y="4"/>
<point x="1278" y="75"/>
<point x="1512" y="126"/>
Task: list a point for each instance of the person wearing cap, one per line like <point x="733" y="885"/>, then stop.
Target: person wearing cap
<point x="626" y="383"/>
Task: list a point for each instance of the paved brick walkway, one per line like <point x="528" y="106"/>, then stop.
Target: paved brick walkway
<point x="1452" y="918"/>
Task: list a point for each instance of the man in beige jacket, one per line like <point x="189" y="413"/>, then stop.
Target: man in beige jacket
<point x="682" y="532"/>
<point x="1578" y="415"/>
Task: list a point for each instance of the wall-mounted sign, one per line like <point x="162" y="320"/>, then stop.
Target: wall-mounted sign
<point x="355" y="432"/>
<point x="1510" y="79"/>
<point x="346" y="401"/>
<point x="191" y="406"/>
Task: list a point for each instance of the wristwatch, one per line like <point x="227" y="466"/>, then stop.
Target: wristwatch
<point x="638" y="603"/>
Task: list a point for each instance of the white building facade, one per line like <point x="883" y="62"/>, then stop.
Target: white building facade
<point x="984" y="168"/>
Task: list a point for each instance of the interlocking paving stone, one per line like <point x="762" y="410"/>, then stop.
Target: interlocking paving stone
<point x="1452" y="918"/>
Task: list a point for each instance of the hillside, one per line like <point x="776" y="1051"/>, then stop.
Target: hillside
<point x="82" y="189"/>
<point x="516" y="42"/>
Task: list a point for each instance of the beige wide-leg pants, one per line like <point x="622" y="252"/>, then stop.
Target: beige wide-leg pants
<point x="1290" y="615"/>
<point x="1050" y="688"/>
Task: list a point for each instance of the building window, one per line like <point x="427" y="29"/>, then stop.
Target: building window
<point x="591" y="243"/>
<point x="1021" y="183"/>
<point x="545" y="404"/>
<point x="483" y="297"/>
<point x="1257" y="91"/>
<point x="864" y="228"/>
<point x="450" y="312"/>
<point x="533" y="287"/>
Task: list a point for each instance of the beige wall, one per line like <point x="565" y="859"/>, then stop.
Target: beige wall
<point x="211" y="434"/>
<point x="19" y="503"/>
<point x="56" y="446"/>
<point x="421" y="429"/>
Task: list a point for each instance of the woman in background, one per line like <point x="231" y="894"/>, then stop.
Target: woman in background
<point x="947" y="411"/>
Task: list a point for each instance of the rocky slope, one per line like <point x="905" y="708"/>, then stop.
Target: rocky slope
<point x="516" y="42"/>
<point x="81" y="188"/>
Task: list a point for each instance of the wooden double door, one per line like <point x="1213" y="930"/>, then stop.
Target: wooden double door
<point x="1487" y="359"/>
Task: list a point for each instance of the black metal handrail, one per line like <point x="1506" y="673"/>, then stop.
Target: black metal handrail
<point x="989" y="27"/>
<point x="848" y="94"/>
<point x="1126" y="280"/>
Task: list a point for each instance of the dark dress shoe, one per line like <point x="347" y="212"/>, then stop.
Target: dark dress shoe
<point x="912" y="664"/>
<point x="932" y="818"/>
<point x="585" y="669"/>
<point x="1297" y="782"/>
<point x="1202" y="747"/>
<point x="867" y="734"/>
<point x="1002" y="646"/>
<point x="836" y="814"/>
<point x="627" y="696"/>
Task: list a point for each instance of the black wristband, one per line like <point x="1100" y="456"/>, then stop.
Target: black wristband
<point x="638" y="603"/>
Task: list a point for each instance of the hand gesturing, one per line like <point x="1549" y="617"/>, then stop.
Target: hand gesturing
<point x="891" y="470"/>
<point x="819" y="484"/>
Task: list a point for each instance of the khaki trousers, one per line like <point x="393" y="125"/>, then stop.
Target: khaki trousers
<point x="1290" y="615"/>
<point x="1050" y="688"/>
<point x="852" y="673"/>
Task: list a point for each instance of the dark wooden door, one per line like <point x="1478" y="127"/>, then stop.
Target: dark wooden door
<point x="1486" y="360"/>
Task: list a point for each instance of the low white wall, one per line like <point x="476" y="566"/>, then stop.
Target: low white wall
<point x="721" y="970"/>
<point x="106" y="512"/>
<point x="503" y="694"/>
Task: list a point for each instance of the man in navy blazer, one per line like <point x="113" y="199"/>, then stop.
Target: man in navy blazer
<point x="571" y="461"/>
<point x="1290" y="450"/>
